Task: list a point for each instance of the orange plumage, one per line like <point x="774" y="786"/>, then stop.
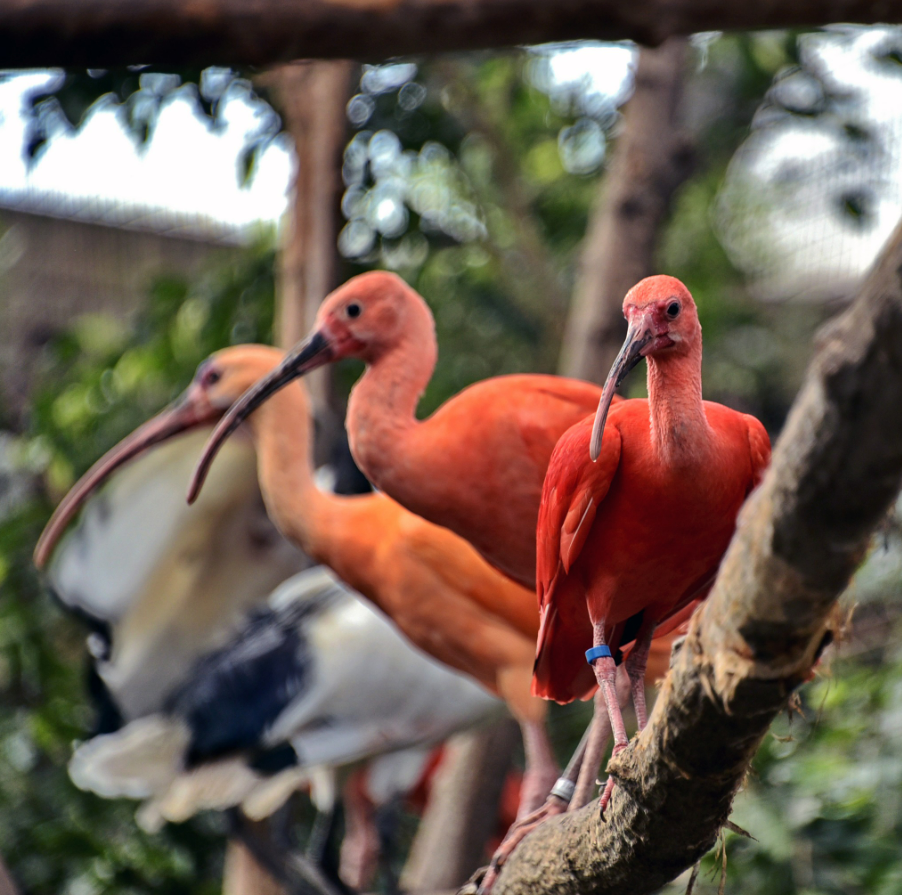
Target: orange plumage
<point x="433" y="585"/>
<point x="476" y="466"/>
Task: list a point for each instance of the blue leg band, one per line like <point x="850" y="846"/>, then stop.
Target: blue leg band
<point x="597" y="652"/>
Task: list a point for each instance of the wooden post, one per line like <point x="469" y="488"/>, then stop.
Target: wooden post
<point x="651" y="159"/>
<point x="463" y="809"/>
<point x="311" y="97"/>
<point x="242" y="875"/>
<point x="7" y="886"/>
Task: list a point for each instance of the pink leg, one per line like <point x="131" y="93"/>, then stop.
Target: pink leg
<point x="360" y="847"/>
<point x="635" y="667"/>
<point x="555" y="804"/>
<point x="597" y="741"/>
<point x="599" y="734"/>
<point x="606" y="675"/>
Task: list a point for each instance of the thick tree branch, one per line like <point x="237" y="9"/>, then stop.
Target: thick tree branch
<point x="836" y="470"/>
<point x="98" y="33"/>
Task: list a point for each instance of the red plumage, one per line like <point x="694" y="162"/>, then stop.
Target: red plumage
<point x="637" y="510"/>
<point x="627" y="534"/>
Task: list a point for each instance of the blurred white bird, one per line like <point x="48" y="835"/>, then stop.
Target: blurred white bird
<point x="221" y="691"/>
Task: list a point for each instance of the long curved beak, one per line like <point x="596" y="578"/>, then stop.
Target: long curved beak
<point x="315" y="351"/>
<point x="184" y="414"/>
<point x="637" y="337"/>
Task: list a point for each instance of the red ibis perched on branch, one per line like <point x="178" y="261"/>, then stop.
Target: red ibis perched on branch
<point x="633" y="525"/>
<point x="429" y="581"/>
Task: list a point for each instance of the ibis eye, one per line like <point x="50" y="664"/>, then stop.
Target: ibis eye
<point x="673" y="310"/>
<point x="354" y="309"/>
<point x="207" y="374"/>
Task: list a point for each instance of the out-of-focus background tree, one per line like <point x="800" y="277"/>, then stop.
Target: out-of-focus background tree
<point x="477" y="178"/>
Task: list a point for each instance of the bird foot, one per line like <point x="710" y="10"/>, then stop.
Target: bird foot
<point x="471" y="886"/>
<point x="606" y="795"/>
<point x="609" y="784"/>
<point x="515" y="835"/>
<point x="535" y="792"/>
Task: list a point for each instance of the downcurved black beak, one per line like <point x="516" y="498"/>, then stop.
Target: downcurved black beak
<point x="315" y="351"/>
<point x="637" y="337"/>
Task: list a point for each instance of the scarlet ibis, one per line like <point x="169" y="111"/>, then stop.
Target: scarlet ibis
<point x="476" y="466"/>
<point x="229" y="708"/>
<point x="633" y="525"/>
<point x="430" y="582"/>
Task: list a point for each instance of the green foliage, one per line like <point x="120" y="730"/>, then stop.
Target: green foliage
<point x="115" y="377"/>
<point x="138" y="93"/>
<point x="100" y="381"/>
<point x="823" y="799"/>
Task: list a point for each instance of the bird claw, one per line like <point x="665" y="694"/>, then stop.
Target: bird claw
<point x="474" y="884"/>
<point x="606" y="796"/>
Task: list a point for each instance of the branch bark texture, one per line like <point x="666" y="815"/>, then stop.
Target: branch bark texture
<point x="652" y="157"/>
<point x="102" y="33"/>
<point x="836" y="469"/>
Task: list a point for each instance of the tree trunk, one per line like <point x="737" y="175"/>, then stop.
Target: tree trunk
<point x="651" y="158"/>
<point x="311" y="97"/>
<point x="106" y="33"/>
<point x="7" y="886"/>
<point x="836" y="470"/>
<point x="463" y="809"/>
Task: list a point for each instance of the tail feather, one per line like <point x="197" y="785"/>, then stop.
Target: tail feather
<point x="213" y="786"/>
<point x="561" y="672"/>
<point x="270" y="794"/>
<point x="139" y="761"/>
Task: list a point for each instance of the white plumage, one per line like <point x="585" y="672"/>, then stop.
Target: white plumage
<point x="232" y="692"/>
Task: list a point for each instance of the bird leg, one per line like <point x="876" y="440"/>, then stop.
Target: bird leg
<point x="320" y="834"/>
<point x="635" y="668"/>
<point x="599" y="732"/>
<point x="602" y="723"/>
<point x="361" y="846"/>
<point x="606" y="674"/>
<point x="635" y="664"/>
<point x="541" y="768"/>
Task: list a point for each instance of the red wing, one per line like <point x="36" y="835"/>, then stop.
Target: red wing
<point x="574" y="487"/>
<point x="759" y="448"/>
